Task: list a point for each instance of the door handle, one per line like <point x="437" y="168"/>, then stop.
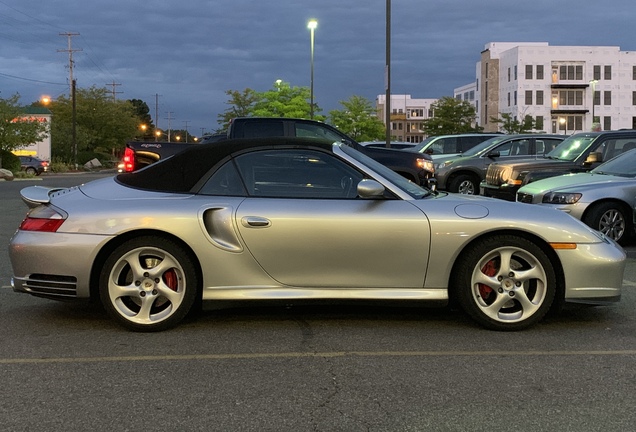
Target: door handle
<point x="255" y="222"/>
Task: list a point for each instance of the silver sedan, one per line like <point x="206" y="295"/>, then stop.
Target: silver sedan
<point x="285" y="218"/>
<point x="604" y="198"/>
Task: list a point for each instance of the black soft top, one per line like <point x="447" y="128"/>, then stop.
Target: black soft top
<point x="179" y="173"/>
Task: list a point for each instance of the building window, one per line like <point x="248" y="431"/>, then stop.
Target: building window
<point x="508" y="74"/>
<point x="528" y="97"/>
<point x="486" y="114"/>
<point x="486" y="71"/>
<point x="571" y="97"/>
<point x="508" y="98"/>
<point x="571" y="72"/>
<point x="515" y="95"/>
<point x="634" y="98"/>
<point x="634" y="72"/>
<point x="538" y="123"/>
<point x="607" y="72"/>
<point x="607" y="98"/>
<point x="539" y="100"/>
<point x="528" y="72"/>
<point x="400" y="126"/>
<point x="539" y="72"/>
<point x="597" y="97"/>
<point x="393" y="126"/>
<point x="477" y="82"/>
<point x="634" y="119"/>
<point x="515" y="72"/>
<point x="486" y="91"/>
<point x="597" y="72"/>
<point x="607" y="123"/>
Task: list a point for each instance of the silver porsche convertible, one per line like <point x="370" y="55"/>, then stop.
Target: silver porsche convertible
<point x="301" y="219"/>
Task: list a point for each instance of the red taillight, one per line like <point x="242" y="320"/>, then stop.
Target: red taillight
<point x="44" y="163"/>
<point x="129" y="160"/>
<point x="44" y="219"/>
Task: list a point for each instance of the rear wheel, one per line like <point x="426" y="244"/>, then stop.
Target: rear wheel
<point x="612" y="220"/>
<point x="148" y="284"/>
<point x="505" y="283"/>
<point x="464" y="184"/>
<point x="31" y="171"/>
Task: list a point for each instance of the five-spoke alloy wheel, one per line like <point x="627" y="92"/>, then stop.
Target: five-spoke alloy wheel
<point x="505" y="283"/>
<point x="149" y="284"/>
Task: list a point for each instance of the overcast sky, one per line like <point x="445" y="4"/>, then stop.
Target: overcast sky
<point x="190" y="52"/>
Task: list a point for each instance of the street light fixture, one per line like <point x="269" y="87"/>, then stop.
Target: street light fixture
<point x="564" y="123"/>
<point x="311" y="25"/>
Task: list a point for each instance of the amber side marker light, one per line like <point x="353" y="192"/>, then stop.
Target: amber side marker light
<point x="563" y="245"/>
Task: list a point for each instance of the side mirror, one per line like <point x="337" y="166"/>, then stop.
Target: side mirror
<point x="494" y="154"/>
<point x="368" y="188"/>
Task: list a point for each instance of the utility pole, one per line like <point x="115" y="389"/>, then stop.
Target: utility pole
<point x="387" y="76"/>
<point x="70" y="52"/>
<point x="73" y="129"/>
<point x="186" y="129"/>
<point x="156" y="117"/>
<point x="169" y="118"/>
<point x="114" y="84"/>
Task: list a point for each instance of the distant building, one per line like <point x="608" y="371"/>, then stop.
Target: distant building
<point x="40" y="149"/>
<point x="566" y="89"/>
<point x="407" y="116"/>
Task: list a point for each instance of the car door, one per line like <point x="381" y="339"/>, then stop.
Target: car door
<point x="303" y="223"/>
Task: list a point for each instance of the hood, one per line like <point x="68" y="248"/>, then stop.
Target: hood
<point x="534" y="163"/>
<point x="575" y="182"/>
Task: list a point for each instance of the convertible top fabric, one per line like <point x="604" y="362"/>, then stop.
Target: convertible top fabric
<point x="182" y="171"/>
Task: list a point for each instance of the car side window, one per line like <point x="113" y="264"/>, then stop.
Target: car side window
<point x="315" y="131"/>
<point x="226" y="181"/>
<point x="297" y="173"/>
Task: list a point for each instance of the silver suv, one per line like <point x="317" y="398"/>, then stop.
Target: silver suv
<point x="463" y="173"/>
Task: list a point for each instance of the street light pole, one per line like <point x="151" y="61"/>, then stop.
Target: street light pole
<point x="311" y="25"/>
<point x="593" y="84"/>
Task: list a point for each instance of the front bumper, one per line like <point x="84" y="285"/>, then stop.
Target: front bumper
<point x="593" y="272"/>
<point x="54" y="265"/>
<point x="504" y="192"/>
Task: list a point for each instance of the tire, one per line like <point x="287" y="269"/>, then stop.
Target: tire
<point x="149" y="284"/>
<point x="612" y="220"/>
<point x="504" y="283"/>
<point x="31" y="171"/>
<point x="464" y="184"/>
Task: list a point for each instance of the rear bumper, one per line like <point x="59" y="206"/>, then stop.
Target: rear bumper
<point x="54" y="265"/>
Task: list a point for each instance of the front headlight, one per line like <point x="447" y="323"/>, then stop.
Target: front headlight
<point x="444" y="164"/>
<point x="425" y="164"/>
<point x="561" y="198"/>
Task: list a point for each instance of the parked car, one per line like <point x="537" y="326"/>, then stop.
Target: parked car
<point x="400" y="145"/>
<point x="33" y="165"/>
<point x="300" y="218"/>
<point x="452" y="144"/>
<point x="604" y="198"/>
<point x="463" y="173"/>
<point x="578" y="153"/>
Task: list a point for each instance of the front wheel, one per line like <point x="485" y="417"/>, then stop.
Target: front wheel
<point x="464" y="184"/>
<point x="148" y="284"/>
<point x="505" y="283"/>
<point x="612" y="220"/>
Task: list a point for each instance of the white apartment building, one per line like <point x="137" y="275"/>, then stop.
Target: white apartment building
<point x="566" y="89"/>
<point x="407" y="116"/>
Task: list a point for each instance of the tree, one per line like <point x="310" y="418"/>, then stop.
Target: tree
<point x="282" y="100"/>
<point x="358" y="119"/>
<point x="102" y="125"/>
<point x="451" y="116"/>
<point x="142" y="111"/>
<point x="511" y="125"/>
<point x="17" y="131"/>
<point x="241" y="105"/>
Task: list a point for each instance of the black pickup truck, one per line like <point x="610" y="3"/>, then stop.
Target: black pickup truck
<point x="577" y="153"/>
<point x="414" y="166"/>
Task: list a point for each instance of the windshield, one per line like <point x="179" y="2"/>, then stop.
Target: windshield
<point x="421" y="146"/>
<point x="407" y="186"/>
<point x="479" y="148"/>
<point x="571" y="147"/>
<point x="623" y="165"/>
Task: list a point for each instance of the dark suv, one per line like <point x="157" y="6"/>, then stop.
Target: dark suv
<point x="452" y="144"/>
<point x="464" y="172"/>
<point x="578" y="153"/>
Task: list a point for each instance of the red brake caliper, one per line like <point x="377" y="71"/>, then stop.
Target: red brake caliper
<point x="490" y="269"/>
<point x="170" y="278"/>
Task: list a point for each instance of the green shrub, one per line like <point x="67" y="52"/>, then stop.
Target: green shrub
<point x="59" y="166"/>
<point x="10" y="161"/>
